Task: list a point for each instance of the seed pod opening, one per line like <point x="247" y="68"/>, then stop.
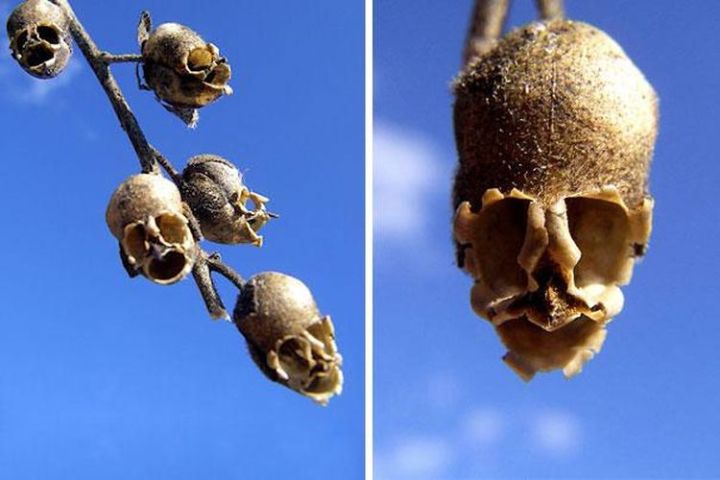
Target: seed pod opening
<point x="287" y="337"/>
<point x="213" y="188"/>
<point x="182" y="69"/>
<point x="555" y="129"/>
<point x="146" y="215"/>
<point x="39" y="37"/>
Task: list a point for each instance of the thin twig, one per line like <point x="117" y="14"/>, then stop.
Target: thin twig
<point x="216" y="265"/>
<point x="167" y="166"/>
<point x="213" y="302"/>
<point x="551" y="9"/>
<point x="150" y="158"/>
<point x="93" y="55"/>
<point x="124" y="58"/>
<point x="486" y="26"/>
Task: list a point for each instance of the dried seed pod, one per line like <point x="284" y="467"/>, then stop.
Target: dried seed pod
<point x="147" y="216"/>
<point x="214" y="189"/>
<point x="40" y="39"/>
<point x="288" y="338"/>
<point x="555" y="129"/>
<point x="182" y="68"/>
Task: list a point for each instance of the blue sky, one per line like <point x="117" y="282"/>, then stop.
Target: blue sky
<point x="446" y="407"/>
<point x="107" y="377"/>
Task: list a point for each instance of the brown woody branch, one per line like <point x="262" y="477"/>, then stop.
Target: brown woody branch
<point x="149" y="156"/>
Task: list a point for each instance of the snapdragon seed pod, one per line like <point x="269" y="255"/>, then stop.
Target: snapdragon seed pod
<point x="288" y="338"/>
<point x="214" y="190"/>
<point x="147" y="217"/>
<point x="182" y="68"/>
<point x="40" y="38"/>
<point x="555" y="129"/>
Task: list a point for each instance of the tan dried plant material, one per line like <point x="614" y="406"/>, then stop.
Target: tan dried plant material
<point x="289" y="340"/>
<point x="555" y="129"/>
<point x="40" y="38"/>
<point x="214" y="189"/>
<point x="183" y="69"/>
<point x="147" y="216"/>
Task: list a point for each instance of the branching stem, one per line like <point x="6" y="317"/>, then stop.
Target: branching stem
<point x="216" y="265"/>
<point x="486" y="26"/>
<point x="149" y="156"/>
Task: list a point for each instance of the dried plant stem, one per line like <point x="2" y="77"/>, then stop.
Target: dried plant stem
<point x="216" y="265"/>
<point x="486" y="25"/>
<point x="551" y="9"/>
<point x="201" y="274"/>
<point x="126" y="58"/>
<point x="149" y="156"/>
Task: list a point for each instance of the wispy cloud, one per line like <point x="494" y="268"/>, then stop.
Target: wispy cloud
<point x="414" y="457"/>
<point x="406" y="174"/>
<point x="556" y="433"/>
<point x="484" y="427"/>
<point x="475" y="440"/>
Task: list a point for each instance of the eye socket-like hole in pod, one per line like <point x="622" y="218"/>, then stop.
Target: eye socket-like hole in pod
<point x="498" y="238"/>
<point x="168" y="267"/>
<point x="172" y="228"/>
<point x="601" y="230"/>
<point x="49" y="34"/>
<point x="200" y="59"/>
<point x="134" y="242"/>
<point x="21" y="40"/>
<point x="38" y="55"/>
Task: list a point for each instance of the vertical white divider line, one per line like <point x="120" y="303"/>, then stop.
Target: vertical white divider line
<point x="368" y="239"/>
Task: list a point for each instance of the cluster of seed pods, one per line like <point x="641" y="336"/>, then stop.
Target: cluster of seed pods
<point x="159" y="222"/>
<point x="555" y="129"/>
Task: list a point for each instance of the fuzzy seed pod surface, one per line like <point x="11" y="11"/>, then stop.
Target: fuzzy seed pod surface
<point x="555" y="129"/>
<point x="39" y="37"/>
<point x="214" y="189"/>
<point x="288" y="338"/>
<point x="146" y="215"/>
<point x="182" y="68"/>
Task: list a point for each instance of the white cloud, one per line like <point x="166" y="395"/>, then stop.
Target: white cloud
<point x="406" y="173"/>
<point x="556" y="433"/>
<point x="414" y="457"/>
<point x="484" y="427"/>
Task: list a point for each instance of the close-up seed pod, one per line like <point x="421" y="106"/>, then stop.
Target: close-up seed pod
<point x="146" y="215"/>
<point x="39" y="37"/>
<point x="213" y="188"/>
<point x="182" y="69"/>
<point x="555" y="129"/>
<point x="287" y="337"/>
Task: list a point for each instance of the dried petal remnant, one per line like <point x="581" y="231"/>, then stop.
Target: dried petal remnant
<point x="555" y="129"/>
<point x="288" y="338"/>
<point x="214" y="189"/>
<point x="182" y="68"/>
<point x="146" y="215"/>
<point x="40" y="39"/>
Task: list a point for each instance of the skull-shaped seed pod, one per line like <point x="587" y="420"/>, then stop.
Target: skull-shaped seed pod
<point x="40" y="39"/>
<point x="182" y="68"/>
<point x="555" y="129"/>
<point x="214" y="190"/>
<point x="147" y="216"/>
<point x="287" y="337"/>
